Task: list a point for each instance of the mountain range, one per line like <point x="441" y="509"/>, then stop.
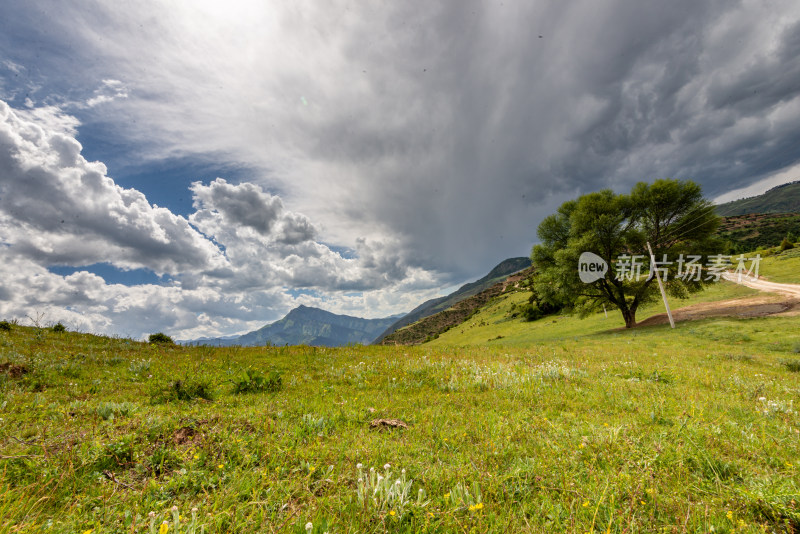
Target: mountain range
<point x="307" y="326"/>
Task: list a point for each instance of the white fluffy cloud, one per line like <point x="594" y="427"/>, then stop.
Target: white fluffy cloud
<point x="231" y="262"/>
<point x="62" y="209"/>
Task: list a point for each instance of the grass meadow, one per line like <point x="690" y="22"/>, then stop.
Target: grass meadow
<point x="561" y="425"/>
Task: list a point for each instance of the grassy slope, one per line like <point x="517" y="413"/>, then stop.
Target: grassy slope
<point x="783" y="267"/>
<point x="493" y="320"/>
<point x="499" y="273"/>
<point x="435" y="324"/>
<point x="572" y="430"/>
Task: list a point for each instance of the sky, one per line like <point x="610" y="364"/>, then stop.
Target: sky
<point x="202" y="167"/>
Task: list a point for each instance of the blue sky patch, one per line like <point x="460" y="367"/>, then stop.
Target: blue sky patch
<point x="115" y="275"/>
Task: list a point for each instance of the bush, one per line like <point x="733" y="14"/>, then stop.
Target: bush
<point x="160" y="338"/>
<point x="58" y="327"/>
<point x="5" y="326"/>
<point x="786" y="244"/>
<point x="254" y="381"/>
<point x="183" y="390"/>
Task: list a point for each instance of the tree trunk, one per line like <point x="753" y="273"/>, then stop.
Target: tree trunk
<point x="630" y="318"/>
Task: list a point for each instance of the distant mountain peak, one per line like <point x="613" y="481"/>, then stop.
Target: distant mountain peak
<point x="305" y="325"/>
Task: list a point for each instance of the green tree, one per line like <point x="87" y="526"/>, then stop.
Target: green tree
<point x="671" y="215"/>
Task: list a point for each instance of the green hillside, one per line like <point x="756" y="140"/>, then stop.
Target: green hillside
<point x="494" y="323"/>
<point x="434" y="325"/>
<point x="433" y="306"/>
<point x="781" y="199"/>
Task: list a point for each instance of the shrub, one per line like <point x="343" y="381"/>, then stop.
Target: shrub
<point x="786" y="244"/>
<point x="183" y="390"/>
<point x="160" y="338"/>
<point x="5" y="326"/>
<point x="58" y="327"/>
<point x="254" y="381"/>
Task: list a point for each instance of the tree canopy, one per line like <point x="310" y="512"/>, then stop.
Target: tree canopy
<point x="671" y="215"/>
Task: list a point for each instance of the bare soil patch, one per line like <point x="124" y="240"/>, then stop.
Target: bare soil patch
<point x="14" y="371"/>
<point x="746" y="307"/>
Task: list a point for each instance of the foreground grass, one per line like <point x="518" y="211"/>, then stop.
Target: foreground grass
<point x="638" y="431"/>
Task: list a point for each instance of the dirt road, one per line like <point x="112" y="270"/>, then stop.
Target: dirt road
<point x="792" y="290"/>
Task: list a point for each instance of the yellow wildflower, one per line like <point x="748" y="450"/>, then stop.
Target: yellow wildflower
<point x="585" y="504"/>
<point x="447" y="495"/>
<point x="391" y="513"/>
<point x="730" y="515"/>
<point x="220" y="466"/>
<point x="163" y="528"/>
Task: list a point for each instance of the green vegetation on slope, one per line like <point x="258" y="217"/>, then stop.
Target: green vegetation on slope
<point x="743" y="233"/>
<point x="434" y="325"/>
<point x="781" y="199"/>
<point x="643" y="430"/>
<point x="433" y="306"/>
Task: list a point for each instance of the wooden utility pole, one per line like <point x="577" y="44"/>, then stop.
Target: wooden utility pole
<point x="660" y="285"/>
